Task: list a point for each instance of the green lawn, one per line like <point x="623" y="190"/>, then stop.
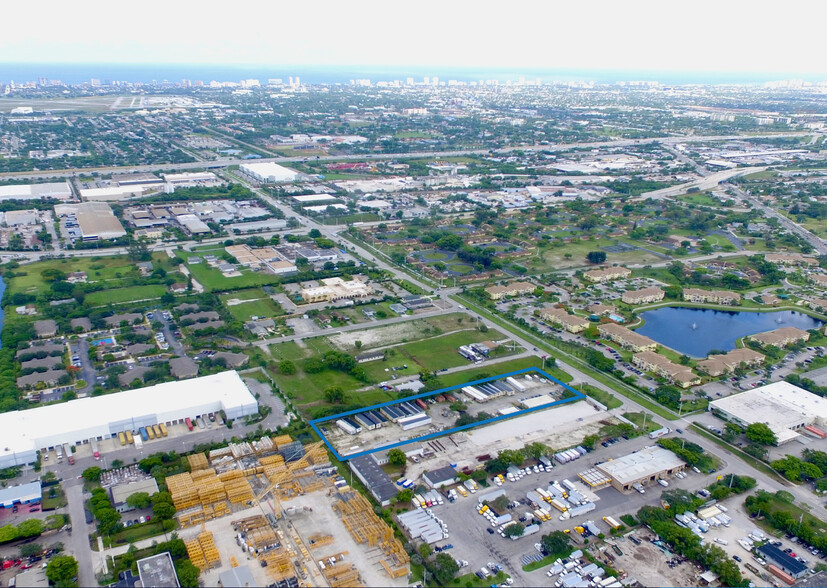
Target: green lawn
<point x="603" y="397"/>
<point x="702" y="199"/>
<point x="485" y="371"/>
<point x="129" y="294"/>
<point x="136" y="533"/>
<point x="29" y="277"/>
<point x="214" y="281"/>
<point x="262" y="307"/>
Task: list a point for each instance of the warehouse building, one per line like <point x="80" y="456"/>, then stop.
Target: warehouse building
<point x="269" y="172"/>
<point x="23" y="433"/>
<point x="784" y="408"/>
<point x="444" y="476"/>
<point x="644" y="467"/>
<point x="374" y="478"/>
<point x="23" y="494"/>
<point x="54" y="191"/>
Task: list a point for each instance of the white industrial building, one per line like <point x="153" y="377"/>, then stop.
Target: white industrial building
<point x="54" y="190"/>
<point x="23" y="433"/>
<point x="269" y="172"/>
<point x="642" y="468"/>
<point x="784" y="408"/>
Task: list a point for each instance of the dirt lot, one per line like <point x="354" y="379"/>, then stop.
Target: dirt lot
<point x="648" y="564"/>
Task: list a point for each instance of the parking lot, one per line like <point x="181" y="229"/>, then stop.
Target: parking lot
<point x="469" y="532"/>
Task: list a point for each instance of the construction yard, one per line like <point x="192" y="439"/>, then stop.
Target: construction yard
<point x="271" y="506"/>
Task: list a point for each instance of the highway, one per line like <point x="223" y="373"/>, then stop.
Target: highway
<point x="228" y="161"/>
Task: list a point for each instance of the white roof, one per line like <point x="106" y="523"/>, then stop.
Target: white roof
<point x="314" y="198"/>
<point x="270" y="171"/>
<point x="59" y="190"/>
<point x="100" y="416"/>
<point x="779" y="405"/>
<point x="635" y="466"/>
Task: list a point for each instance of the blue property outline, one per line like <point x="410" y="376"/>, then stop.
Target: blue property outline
<point x="577" y="396"/>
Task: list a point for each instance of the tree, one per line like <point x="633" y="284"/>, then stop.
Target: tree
<point x="555" y="543"/>
<point x="761" y="433"/>
<point x="187" y="573"/>
<point x="445" y="570"/>
<point x="396" y="457"/>
<point x="515" y="530"/>
<point x="163" y="510"/>
<point x="287" y="367"/>
<point x="92" y="474"/>
<point x="596" y="256"/>
<point x="30" y="549"/>
<point x="335" y="395"/>
<point x="404" y="495"/>
<point x="62" y="571"/>
<point x="138" y="500"/>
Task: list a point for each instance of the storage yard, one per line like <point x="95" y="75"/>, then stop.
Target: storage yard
<point x="259" y="490"/>
<point x="392" y="423"/>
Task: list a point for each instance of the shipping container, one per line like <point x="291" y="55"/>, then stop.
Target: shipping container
<point x="163" y="428"/>
<point x="611" y="522"/>
<point x="129" y="438"/>
<point x="150" y="433"/>
<point x="157" y="430"/>
<point x="121" y="438"/>
<point x="421" y="404"/>
<point x="189" y="423"/>
<point x="781" y="574"/>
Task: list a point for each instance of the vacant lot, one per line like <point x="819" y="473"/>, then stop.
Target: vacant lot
<point x="29" y="278"/>
<point x="130" y="294"/>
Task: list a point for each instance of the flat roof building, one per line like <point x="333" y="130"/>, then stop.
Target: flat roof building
<point x="442" y="477"/>
<point x="333" y="289"/>
<point x="96" y="220"/>
<point x="645" y="467"/>
<point x="374" y="478"/>
<point x="121" y="492"/>
<point x="269" y="172"/>
<point x="783" y="560"/>
<point x="54" y="190"/>
<point x="158" y="570"/>
<point x="22" y="494"/>
<point x="23" y="433"/>
<point x="784" y="408"/>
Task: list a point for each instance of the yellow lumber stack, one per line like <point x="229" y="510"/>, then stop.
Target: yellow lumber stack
<point x="184" y="493"/>
<point x="343" y="575"/>
<point x="197" y="461"/>
<point x="230" y="475"/>
<point x="317" y="540"/>
<point x="282" y="440"/>
<point x="239" y="491"/>
<point x="196" y="553"/>
<point x="210" y="551"/>
<point x="271" y="460"/>
<point x="279" y="566"/>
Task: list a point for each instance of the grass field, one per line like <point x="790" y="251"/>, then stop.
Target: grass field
<point x="702" y="199"/>
<point x="130" y="294"/>
<point x="260" y="304"/>
<point x="214" y="281"/>
<point x="485" y="371"/>
<point x="361" y="217"/>
<point x="30" y="279"/>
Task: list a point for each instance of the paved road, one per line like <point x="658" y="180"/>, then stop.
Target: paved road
<point x="228" y="161"/>
<point x="705" y="183"/>
<point x="78" y="542"/>
<point x="818" y="244"/>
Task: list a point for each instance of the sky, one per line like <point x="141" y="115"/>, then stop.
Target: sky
<point x="631" y="35"/>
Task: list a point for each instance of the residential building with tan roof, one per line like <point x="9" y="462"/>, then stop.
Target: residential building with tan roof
<point x="781" y="337"/>
<point x="643" y="296"/>
<point x="513" y="289"/>
<point x="680" y="375"/>
<point x="818" y="280"/>
<point x="559" y="316"/>
<point x="718" y="365"/>
<point x="599" y="276"/>
<point x="790" y="259"/>
<point x="711" y="296"/>
<point x="261" y="258"/>
<point x="627" y="338"/>
<point x="601" y="309"/>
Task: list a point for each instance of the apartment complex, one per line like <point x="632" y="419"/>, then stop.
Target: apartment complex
<point x="600" y="276"/>
<point x="559" y="316"/>
<point x="781" y="337"/>
<point x="643" y="296"/>
<point x="261" y="258"/>
<point x="512" y="289"/>
<point x="711" y="296"/>
<point x="680" y="375"/>
<point x="717" y="365"/>
<point x="627" y="338"/>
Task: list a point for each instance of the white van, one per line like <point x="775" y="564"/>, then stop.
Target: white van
<point x="663" y="482"/>
<point x="721" y="541"/>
